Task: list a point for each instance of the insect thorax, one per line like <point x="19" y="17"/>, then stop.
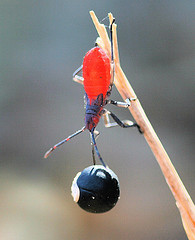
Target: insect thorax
<point x="93" y="112"/>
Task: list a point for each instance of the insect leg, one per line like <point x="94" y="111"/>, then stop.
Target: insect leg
<point x="107" y="122"/>
<point x="112" y="54"/>
<point x="63" y="141"/>
<point x="95" y="146"/>
<point x="76" y="77"/>
<point x="118" y="122"/>
<point x="125" y="104"/>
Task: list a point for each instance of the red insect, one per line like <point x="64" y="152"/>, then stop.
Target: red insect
<point x="98" y="77"/>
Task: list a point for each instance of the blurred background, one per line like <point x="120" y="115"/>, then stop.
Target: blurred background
<point x="41" y="44"/>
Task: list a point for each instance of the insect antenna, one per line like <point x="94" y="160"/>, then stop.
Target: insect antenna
<point x="63" y="141"/>
<point x="111" y="40"/>
<point x="104" y="20"/>
<point x="96" y="149"/>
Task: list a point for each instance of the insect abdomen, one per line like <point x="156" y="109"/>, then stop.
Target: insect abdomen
<point x="96" y="72"/>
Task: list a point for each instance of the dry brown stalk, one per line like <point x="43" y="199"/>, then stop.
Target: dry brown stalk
<point x="183" y="200"/>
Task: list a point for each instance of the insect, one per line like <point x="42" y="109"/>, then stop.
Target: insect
<point x="98" y="78"/>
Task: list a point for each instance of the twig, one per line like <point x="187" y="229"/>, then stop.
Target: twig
<point x="183" y="200"/>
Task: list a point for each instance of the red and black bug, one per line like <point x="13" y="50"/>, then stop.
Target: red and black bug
<point x="98" y="78"/>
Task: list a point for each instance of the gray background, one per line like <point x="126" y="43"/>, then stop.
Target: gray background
<point x="41" y="44"/>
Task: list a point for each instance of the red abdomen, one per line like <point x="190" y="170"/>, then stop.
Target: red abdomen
<point x="96" y="72"/>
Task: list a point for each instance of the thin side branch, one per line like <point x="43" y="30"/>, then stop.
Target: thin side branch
<point x="183" y="200"/>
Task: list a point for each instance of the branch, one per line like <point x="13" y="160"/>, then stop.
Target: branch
<point x="183" y="200"/>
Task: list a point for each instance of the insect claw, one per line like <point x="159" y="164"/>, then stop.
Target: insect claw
<point x="132" y="99"/>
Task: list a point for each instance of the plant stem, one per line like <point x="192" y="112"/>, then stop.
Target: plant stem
<point x="183" y="200"/>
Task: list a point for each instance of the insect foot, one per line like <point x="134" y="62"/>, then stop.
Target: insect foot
<point x="96" y="189"/>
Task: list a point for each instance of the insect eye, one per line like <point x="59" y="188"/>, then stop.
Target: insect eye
<point x="96" y="189"/>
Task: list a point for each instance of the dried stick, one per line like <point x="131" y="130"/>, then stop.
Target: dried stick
<point x="183" y="200"/>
